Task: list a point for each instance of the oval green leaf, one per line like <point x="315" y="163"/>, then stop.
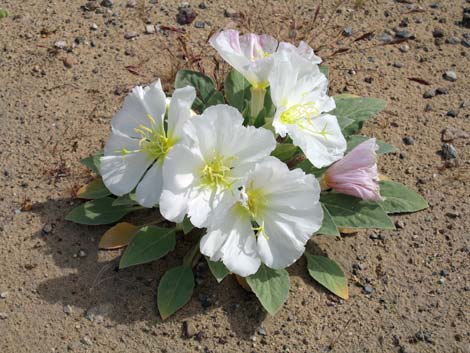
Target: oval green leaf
<point x="271" y="287"/>
<point x="237" y="90"/>
<point x="284" y="151"/>
<point x="98" y="212"/>
<point x="328" y="273"/>
<point x="207" y="95"/>
<point x="93" y="162"/>
<point x="174" y="290"/>
<point x="93" y="190"/>
<point x="149" y="244"/>
<point x="398" y="198"/>
<point x="328" y="226"/>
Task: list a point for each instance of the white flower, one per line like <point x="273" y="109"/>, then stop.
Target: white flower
<point x="205" y="170"/>
<point x="299" y="92"/>
<point x="251" y="54"/>
<point x="139" y="142"/>
<point x="284" y="207"/>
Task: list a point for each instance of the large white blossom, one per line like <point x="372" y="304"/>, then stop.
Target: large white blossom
<point x="299" y="92"/>
<point x="140" y="140"/>
<point x="205" y="170"/>
<point x="276" y="214"/>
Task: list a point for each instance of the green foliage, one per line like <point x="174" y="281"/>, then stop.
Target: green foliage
<point x="187" y="226"/>
<point x="93" y="162"/>
<point x="271" y="287"/>
<point x="174" y="290"/>
<point x="328" y="273"/>
<point x="207" y="95"/>
<point x="100" y="211"/>
<point x="353" y="111"/>
<point x="325" y="70"/>
<point x="352" y="212"/>
<point x="94" y="190"/>
<point x="284" y="151"/>
<point x="218" y="269"/>
<point x="237" y="90"/>
<point x="400" y="199"/>
<point x="149" y="244"/>
<point x="3" y="13"/>
<point x="328" y="226"/>
<point x="126" y="200"/>
<point x="308" y="168"/>
<point x="354" y="140"/>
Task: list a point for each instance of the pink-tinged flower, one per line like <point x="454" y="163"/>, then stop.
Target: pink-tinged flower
<point x="249" y="54"/>
<point x="356" y="174"/>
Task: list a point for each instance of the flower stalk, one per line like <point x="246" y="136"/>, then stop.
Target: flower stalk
<point x="257" y="100"/>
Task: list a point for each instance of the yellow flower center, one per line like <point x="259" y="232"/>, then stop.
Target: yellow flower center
<point x="217" y="173"/>
<point x="154" y="141"/>
<point x="302" y="115"/>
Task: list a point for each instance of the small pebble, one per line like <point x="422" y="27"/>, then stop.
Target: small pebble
<point x="82" y="253"/>
<point x="231" y="13"/>
<point x="450" y="76"/>
<point x="3" y="295"/>
<point x="448" y="151"/>
<point x="453" y="40"/>
<point x="131" y="3"/>
<point x="398" y="64"/>
<point x="68" y="309"/>
<point x="368" y="289"/>
<point x="131" y="35"/>
<point x="405" y="35"/>
<point x="94" y="27"/>
<point x="185" y="16"/>
<point x="107" y="3"/>
<point x="3" y="316"/>
<point x="451" y="133"/>
<point x="149" y="29"/>
<point x="429" y="93"/>
<point x="202" y="6"/>
<point x="404" y="48"/>
<point x="47" y="229"/>
<point x="199" y="24"/>
<point x="438" y="33"/>
<point x="60" y="44"/>
<point x="408" y="140"/>
<point x="385" y="37"/>
<point x="348" y="31"/>
<point x="452" y="113"/>
<point x="442" y="90"/>
<point x="86" y="340"/>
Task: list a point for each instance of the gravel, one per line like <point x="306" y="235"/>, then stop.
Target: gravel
<point x="68" y="309"/>
<point x="368" y="289"/>
<point x="131" y="35"/>
<point x="448" y="151"/>
<point x="429" y="93"/>
<point x="408" y="140"/>
<point x="185" y="16"/>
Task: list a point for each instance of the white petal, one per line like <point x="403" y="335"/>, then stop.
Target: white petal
<point x="181" y="168"/>
<point x="180" y="110"/>
<point x="150" y="188"/>
<point x="138" y="104"/>
<point x="122" y="173"/>
<point x="234" y="242"/>
<point x="204" y="202"/>
<point x="117" y="142"/>
<point x="320" y="149"/>
<point x="173" y="206"/>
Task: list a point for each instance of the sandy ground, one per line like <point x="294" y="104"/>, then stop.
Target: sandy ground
<point x="59" y="294"/>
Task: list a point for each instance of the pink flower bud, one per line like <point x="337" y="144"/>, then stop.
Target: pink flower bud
<point x="356" y="174"/>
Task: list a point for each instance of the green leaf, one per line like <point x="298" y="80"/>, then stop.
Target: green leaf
<point x="174" y="290"/>
<point x="94" y="190"/>
<point x="354" y="140"/>
<point x="218" y="269"/>
<point x="269" y="107"/>
<point x="187" y="225"/>
<point x="357" y="109"/>
<point x="207" y="95"/>
<point x="325" y="70"/>
<point x="352" y="212"/>
<point x="237" y="90"/>
<point x="126" y="200"/>
<point x="271" y="287"/>
<point x="328" y="226"/>
<point x="308" y="168"/>
<point x="3" y="13"/>
<point x="400" y="199"/>
<point x="93" y="162"/>
<point x="328" y="273"/>
<point x="98" y="212"/>
<point x="284" y="151"/>
<point x="149" y="244"/>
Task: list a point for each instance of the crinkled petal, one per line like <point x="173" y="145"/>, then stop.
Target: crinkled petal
<point x="320" y="139"/>
<point x="122" y="173"/>
<point x="138" y="105"/>
<point x="180" y="110"/>
<point x="150" y="188"/>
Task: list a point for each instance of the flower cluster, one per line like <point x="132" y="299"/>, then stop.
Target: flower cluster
<point x="216" y="167"/>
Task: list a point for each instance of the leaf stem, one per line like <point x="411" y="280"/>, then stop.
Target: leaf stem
<point x="257" y="100"/>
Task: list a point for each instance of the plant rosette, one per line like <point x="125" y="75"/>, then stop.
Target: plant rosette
<point x="250" y="173"/>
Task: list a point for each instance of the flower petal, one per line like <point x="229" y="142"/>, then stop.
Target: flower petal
<point x="122" y="173"/>
<point x="138" y="105"/>
<point x="180" y="110"/>
<point x="150" y="188"/>
<point x="117" y="142"/>
<point x="321" y="140"/>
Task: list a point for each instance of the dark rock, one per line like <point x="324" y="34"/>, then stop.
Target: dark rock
<point x="405" y="34"/>
<point x="107" y="3"/>
<point x="438" y="33"/>
<point x="442" y="90"/>
<point x="450" y="76"/>
<point x="90" y="6"/>
<point x="369" y="79"/>
<point x="466" y="17"/>
<point x="448" y="151"/>
<point x="444" y="273"/>
<point x="185" y="16"/>
<point x="202" y="6"/>
<point x="452" y="113"/>
<point x="423" y="336"/>
<point x="428" y="108"/>
<point x="385" y="37"/>
<point x="408" y="140"/>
